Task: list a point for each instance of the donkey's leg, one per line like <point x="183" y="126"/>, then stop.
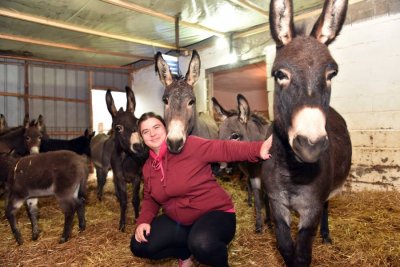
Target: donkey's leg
<point x="101" y="174"/>
<point x="249" y="192"/>
<point x="81" y="214"/>
<point x="81" y="204"/>
<point x="68" y="206"/>
<point x="268" y="220"/>
<point x="324" y="227"/>
<point x="308" y="225"/>
<point x="121" y="192"/>
<point x="12" y="207"/>
<point x="135" y="196"/>
<point x="284" y="239"/>
<point x="32" y="210"/>
<point x="256" y="187"/>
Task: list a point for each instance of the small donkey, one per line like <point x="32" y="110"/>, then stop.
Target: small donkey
<point x="63" y="175"/>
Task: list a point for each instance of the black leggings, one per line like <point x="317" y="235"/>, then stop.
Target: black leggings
<point x="206" y="239"/>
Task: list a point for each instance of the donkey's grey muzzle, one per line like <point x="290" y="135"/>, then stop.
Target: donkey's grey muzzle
<point x="308" y="151"/>
<point x="175" y="145"/>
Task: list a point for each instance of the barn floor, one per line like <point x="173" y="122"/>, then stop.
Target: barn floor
<point x="365" y="229"/>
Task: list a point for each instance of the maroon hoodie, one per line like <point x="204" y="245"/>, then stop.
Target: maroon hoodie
<point x="183" y="184"/>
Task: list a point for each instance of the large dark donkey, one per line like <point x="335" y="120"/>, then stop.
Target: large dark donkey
<point x="59" y="173"/>
<point x="126" y="159"/>
<point x="179" y="100"/>
<point x="311" y="145"/>
<point x="245" y="125"/>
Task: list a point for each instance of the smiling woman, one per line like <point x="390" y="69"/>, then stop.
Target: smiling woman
<point x="198" y="215"/>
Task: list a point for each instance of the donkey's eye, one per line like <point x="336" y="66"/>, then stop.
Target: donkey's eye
<point x="330" y="74"/>
<point x="235" y="136"/>
<point x="27" y="138"/>
<point x="280" y="75"/>
<point x="165" y="100"/>
<point x="119" y="128"/>
<point x="192" y="102"/>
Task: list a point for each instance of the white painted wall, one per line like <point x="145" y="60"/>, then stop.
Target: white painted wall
<point x="367" y="93"/>
<point x="148" y="91"/>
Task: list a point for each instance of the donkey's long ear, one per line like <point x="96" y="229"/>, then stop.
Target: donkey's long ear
<point x="219" y="112"/>
<point x="331" y="21"/>
<point x="110" y="104"/>
<point x="163" y="70"/>
<point x="193" y="72"/>
<point x="40" y="122"/>
<point x="3" y="122"/>
<point x="243" y="108"/>
<point x="281" y="21"/>
<point x="131" y="102"/>
<point x="26" y="120"/>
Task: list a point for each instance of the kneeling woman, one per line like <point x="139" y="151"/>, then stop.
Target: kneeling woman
<point x="198" y="215"/>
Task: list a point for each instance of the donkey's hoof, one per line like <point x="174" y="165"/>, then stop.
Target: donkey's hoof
<point x="20" y="241"/>
<point x="35" y="236"/>
<point x="258" y="230"/>
<point x="63" y="240"/>
<point x="18" y="237"/>
<point x="122" y="228"/>
<point x="82" y="227"/>
<point x="327" y="240"/>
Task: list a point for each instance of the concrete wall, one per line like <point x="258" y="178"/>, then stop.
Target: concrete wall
<point x="366" y="92"/>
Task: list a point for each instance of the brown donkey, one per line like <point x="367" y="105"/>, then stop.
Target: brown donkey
<point x="62" y="174"/>
<point x="311" y="145"/>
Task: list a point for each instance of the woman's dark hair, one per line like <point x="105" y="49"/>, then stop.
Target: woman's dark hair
<point x="149" y="115"/>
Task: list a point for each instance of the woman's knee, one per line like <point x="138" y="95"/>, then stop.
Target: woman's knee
<point x="139" y="249"/>
<point x="209" y="252"/>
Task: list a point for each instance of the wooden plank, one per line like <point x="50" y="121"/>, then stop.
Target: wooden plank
<point x="70" y="27"/>
<point x="65" y="63"/>
<point x="70" y="47"/>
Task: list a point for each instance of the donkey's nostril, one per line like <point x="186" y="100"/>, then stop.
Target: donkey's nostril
<point x="175" y="145"/>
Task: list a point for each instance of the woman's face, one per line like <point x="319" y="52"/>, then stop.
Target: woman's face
<point x="153" y="133"/>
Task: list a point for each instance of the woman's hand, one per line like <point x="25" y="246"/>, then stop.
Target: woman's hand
<point x="142" y="230"/>
<point x="266" y="146"/>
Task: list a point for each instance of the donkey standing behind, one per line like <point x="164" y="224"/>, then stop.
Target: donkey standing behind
<point x="244" y="125"/>
<point x="127" y="159"/>
<point x="79" y="145"/>
<point x="63" y="175"/>
<point x="311" y="145"/>
<point x="3" y="123"/>
<point x="101" y="149"/>
<point x="23" y="140"/>
<point x="180" y="113"/>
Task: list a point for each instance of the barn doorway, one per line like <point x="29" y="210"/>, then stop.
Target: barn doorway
<point x="101" y="117"/>
<point x="248" y="78"/>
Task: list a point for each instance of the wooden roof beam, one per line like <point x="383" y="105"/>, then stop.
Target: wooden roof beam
<point x="69" y="47"/>
<point x="251" y="6"/>
<point x="66" y="26"/>
<point x="162" y="16"/>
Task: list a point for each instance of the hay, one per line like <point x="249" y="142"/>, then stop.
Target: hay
<point x="365" y="228"/>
